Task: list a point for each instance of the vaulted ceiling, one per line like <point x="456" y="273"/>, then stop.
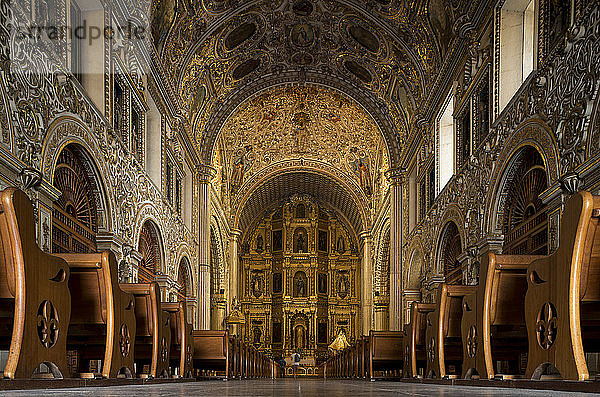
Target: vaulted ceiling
<point x="382" y="53"/>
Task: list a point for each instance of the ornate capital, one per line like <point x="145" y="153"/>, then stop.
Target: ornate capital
<point x="571" y="183"/>
<point x="396" y="176"/>
<point x="206" y="173"/>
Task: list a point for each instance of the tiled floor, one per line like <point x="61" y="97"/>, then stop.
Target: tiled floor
<point x="288" y="387"/>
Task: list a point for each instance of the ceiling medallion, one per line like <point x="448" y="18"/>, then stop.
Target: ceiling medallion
<point x="302" y="58"/>
<point x="245" y="68"/>
<point x="359" y="71"/>
<point x="239" y="35"/>
<point x="303" y="8"/>
<point x="303" y="35"/>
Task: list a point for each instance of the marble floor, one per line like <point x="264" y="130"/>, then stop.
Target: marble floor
<point x="288" y="387"/>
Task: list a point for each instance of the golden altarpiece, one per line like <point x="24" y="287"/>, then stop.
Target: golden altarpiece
<point x="300" y="281"/>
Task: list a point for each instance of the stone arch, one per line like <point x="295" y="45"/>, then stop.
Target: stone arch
<point x="69" y="131"/>
<point x="381" y="273"/>
<point x="350" y="194"/>
<point x="450" y="246"/>
<point x="149" y="244"/>
<point x="254" y="88"/>
<point x="415" y="268"/>
<point x="451" y="214"/>
<point x="534" y="134"/>
<point x="185" y="278"/>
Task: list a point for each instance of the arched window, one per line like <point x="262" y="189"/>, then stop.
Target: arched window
<point x="149" y="248"/>
<point x="451" y="248"/>
<point x="525" y="223"/>
<point x="74" y="222"/>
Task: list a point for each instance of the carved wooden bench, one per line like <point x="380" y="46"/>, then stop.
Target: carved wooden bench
<point x="415" y="348"/>
<point x="182" y="345"/>
<point x="212" y="351"/>
<point x="102" y="317"/>
<point x="385" y="354"/>
<point x="443" y="334"/>
<point x="563" y="296"/>
<point x="493" y="323"/>
<point x="34" y="294"/>
<point x="153" y="331"/>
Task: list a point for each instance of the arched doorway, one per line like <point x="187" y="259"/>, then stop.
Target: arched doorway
<point x="450" y="250"/>
<point x="150" y="250"/>
<point x="74" y="214"/>
<point x="525" y="223"/>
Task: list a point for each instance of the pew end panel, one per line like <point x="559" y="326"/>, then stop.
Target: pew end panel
<point x="153" y="330"/>
<point x="385" y="354"/>
<point x="443" y="334"/>
<point x="416" y="352"/>
<point x="563" y="297"/>
<point x="493" y="326"/>
<point x="103" y="323"/>
<point x="182" y="346"/>
<point x="34" y="290"/>
<point x="212" y="353"/>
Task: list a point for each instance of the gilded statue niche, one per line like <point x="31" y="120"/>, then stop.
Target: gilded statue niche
<point x="309" y="123"/>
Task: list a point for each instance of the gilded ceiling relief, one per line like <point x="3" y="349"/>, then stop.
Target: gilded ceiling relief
<point x="310" y="123"/>
<point x="324" y="36"/>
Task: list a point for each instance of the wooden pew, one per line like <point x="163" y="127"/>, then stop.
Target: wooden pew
<point x="212" y="351"/>
<point x="443" y="334"/>
<point x="416" y="358"/>
<point x="102" y="317"/>
<point x="182" y="345"/>
<point x="153" y="331"/>
<point x="563" y="296"/>
<point x="385" y="353"/>
<point x="493" y="322"/>
<point x="34" y="294"/>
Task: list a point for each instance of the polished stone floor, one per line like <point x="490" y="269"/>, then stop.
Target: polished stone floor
<point x="289" y="387"/>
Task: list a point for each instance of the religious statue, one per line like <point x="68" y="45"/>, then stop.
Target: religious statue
<point x="300" y="284"/>
<point x="301" y="243"/>
<point x="360" y="167"/>
<point x="257" y="334"/>
<point x="256" y="286"/>
<point x="341" y="245"/>
<point x="259" y="244"/>
<point x="343" y="286"/>
<point x="241" y="164"/>
<point x="299" y="338"/>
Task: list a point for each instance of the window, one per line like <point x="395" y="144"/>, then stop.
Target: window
<point x="446" y="143"/>
<point x="76" y="21"/>
<point x="517" y="46"/>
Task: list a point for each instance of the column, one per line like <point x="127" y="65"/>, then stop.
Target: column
<point x="367" y="283"/>
<point x="205" y="174"/>
<point x="396" y="177"/>
<point x="234" y="267"/>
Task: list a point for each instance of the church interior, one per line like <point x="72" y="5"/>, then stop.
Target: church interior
<point x="285" y="194"/>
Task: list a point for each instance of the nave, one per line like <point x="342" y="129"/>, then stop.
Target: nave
<point x="290" y="387"/>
